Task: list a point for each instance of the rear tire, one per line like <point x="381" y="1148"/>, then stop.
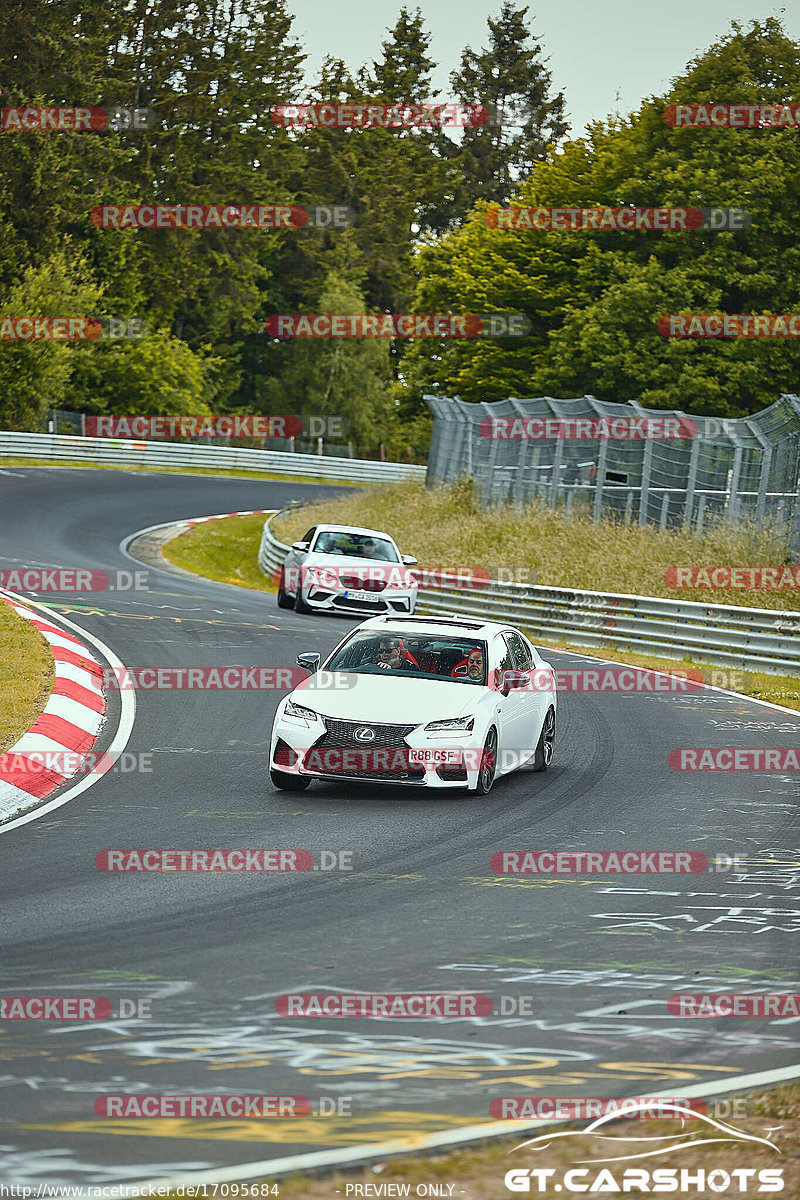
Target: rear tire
<point x="289" y="783"/>
<point x="546" y="744"/>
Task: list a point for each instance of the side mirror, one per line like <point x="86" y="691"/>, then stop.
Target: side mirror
<point x="408" y="560"/>
<point x="514" y="679"/>
<point x="301" y="546"/>
<point x="309" y="661"/>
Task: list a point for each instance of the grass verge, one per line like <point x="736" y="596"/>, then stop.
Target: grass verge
<point x="445" y="528"/>
<point x="227" y="551"/>
<point x="26" y="675"/>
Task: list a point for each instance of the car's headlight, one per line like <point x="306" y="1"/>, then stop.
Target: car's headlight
<point x="299" y="712"/>
<point x="455" y="724"/>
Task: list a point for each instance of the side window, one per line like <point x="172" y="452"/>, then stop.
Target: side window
<point x="523" y="660"/>
<point x="309" y="537"/>
<point x="501" y="653"/>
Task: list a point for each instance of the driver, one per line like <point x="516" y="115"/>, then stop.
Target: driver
<point x="392" y="655"/>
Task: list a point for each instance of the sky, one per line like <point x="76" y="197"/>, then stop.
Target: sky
<point x="606" y="55"/>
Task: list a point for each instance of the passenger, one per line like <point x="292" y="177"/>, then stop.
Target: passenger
<point x="470" y="667"/>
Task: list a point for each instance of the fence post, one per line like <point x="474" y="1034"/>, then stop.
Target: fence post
<point x="701" y="513"/>
<point x="600" y="480"/>
<point x="664" y="510"/>
<point x="766" y="463"/>
<point x="691" y="483"/>
<point x="647" y="467"/>
<point x="733" y="485"/>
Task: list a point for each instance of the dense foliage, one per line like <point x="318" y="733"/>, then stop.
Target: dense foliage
<point x="210" y="73"/>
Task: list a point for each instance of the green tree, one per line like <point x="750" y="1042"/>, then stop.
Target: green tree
<point x="35" y="375"/>
<point x="347" y="377"/>
<point x="593" y="298"/>
<point x="510" y="78"/>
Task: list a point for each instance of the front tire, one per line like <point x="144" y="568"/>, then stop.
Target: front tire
<point x="284" y="599"/>
<point x="488" y="767"/>
<point x="546" y="744"/>
<point x="300" y="605"/>
<point x="289" y="783"/>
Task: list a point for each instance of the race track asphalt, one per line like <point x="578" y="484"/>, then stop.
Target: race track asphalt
<point x="595" y="957"/>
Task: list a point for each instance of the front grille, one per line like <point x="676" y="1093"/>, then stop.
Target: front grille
<point x="341" y="734"/>
<point x="410" y="776"/>
<point x="368" y="605"/>
<point x="361" y="585"/>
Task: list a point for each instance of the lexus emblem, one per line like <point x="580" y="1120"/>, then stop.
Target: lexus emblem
<point x="364" y="734"/>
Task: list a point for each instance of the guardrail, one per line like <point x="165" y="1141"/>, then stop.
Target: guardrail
<point x="751" y="639"/>
<point x="116" y="451"/>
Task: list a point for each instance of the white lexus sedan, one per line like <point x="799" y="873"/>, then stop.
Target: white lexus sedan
<point x="427" y="701"/>
<point x="343" y="568"/>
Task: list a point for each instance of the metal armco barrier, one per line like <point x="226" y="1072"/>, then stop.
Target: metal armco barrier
<point x="114" y="451"/>
<point x="751" y="639"/>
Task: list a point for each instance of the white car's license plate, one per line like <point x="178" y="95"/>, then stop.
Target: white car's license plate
<point x="358" y="595"/>
<point x="430" y="755"/>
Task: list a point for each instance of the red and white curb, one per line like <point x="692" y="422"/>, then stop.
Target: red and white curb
<point x="52" y="750"/>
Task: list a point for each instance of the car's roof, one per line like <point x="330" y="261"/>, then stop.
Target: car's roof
<point x="454" y="626"/>
<point x="353" y="529"/>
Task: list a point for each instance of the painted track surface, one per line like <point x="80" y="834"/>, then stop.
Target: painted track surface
<point x="420" y="911"/>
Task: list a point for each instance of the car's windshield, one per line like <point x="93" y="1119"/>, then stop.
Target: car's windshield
<point x="451" y="658"/>
<point x="354" y="545"/>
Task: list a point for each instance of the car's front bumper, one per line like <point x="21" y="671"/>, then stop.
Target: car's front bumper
<point x="393" y="600"/>
<point x="308" y="752"/>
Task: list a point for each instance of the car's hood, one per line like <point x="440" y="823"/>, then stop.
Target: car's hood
<point x="392" y="698"/>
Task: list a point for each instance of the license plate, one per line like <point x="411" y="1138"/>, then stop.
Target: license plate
<point x="425" y="756"/>
<point x="358" y="595"/>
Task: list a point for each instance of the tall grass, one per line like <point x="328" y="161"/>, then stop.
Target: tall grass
<point x="445" y="527"/>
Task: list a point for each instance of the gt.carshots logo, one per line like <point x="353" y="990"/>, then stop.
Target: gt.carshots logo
<point x="396" y="325"/>
<point x="697" y="1181"/>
